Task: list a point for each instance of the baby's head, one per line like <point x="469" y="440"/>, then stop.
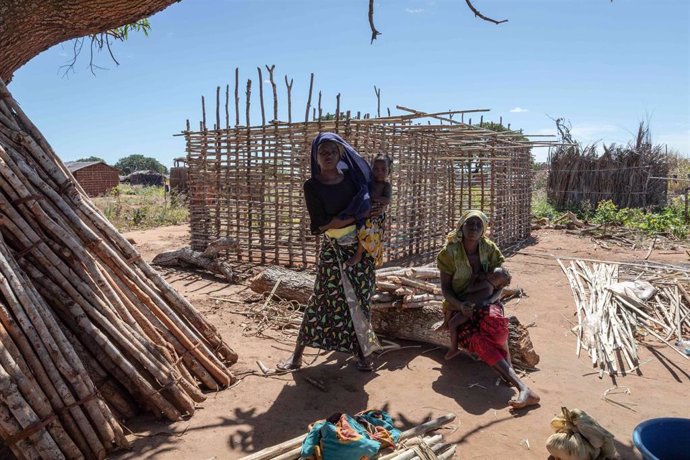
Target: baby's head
<point x="499" y="278"/>
<point x="381" y="167"/>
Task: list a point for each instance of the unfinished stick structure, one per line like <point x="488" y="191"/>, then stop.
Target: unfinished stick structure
<point x="89" y="332"/>
<point x="245" y="181"/>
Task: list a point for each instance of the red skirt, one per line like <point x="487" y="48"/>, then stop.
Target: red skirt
<point x="486" y="334"/>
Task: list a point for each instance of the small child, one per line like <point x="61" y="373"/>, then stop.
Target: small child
<point x="370" y="235"/>
<point x="478" y="295"/>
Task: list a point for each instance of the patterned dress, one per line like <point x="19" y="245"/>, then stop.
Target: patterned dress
<point x="371" y="237"/>
<point x="336" y="317"/>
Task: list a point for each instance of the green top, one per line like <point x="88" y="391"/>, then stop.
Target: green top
<point x="453" y="260"/>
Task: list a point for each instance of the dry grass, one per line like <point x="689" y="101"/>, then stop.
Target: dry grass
<point x="136" y="208"/>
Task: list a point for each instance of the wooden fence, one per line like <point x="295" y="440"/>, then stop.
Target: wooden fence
<point x="632" y="176"/>
<point x="246" y="181"/>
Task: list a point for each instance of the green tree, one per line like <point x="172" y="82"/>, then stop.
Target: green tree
<point x="91" y="158"/>
<point x="132" y="163"/>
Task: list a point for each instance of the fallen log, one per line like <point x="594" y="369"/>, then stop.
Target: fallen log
<point x="392" y="318"/>
<point x="297" y="286"/>
<point x="207" y="260"/>
<point x="417" y="324"/>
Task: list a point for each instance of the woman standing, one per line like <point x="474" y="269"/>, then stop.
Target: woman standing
<point x="336" y="317"/>
<point x="467" y="254"/>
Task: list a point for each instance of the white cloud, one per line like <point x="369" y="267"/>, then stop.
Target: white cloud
<point x="518" y="110"/>
<point x="415" y="10"/>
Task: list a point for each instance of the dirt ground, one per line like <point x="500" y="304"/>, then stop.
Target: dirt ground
<point x="413" y="385"/>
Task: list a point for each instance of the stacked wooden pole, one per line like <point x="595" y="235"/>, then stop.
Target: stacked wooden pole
<point x="411" y="287"/>
<point x="88" y="331"/>
<point x="611" y="322"/>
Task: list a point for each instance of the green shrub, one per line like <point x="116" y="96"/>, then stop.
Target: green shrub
<point x="668" y="220"/>
<point x="541" y="206"/>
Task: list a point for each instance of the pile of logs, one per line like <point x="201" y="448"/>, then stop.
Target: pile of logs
<point x="412" y="287"/>
<point x="414" y="444"/>
<point x="89" y="332"/>
<point x="613" y="317"/>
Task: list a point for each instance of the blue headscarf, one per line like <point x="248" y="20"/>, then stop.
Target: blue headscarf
<point x="359" y="169"/>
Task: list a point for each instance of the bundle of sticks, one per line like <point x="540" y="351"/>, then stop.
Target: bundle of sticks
<point x="414" y="444"/>
<point x="612" y="320"/>
<point x="407" y="287"/>
<point x="89" y="332"/>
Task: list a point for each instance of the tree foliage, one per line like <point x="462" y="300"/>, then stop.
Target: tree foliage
<point x="137" y="162"/>
<point x="91" y="158"/>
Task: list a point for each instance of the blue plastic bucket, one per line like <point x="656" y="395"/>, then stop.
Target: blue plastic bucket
<point x="663" y="438"/>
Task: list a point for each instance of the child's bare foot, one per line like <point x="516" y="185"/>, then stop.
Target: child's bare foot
<point x="354" y="260"/>
<point x="526" y="398"/>
<point x="451" y="354"/>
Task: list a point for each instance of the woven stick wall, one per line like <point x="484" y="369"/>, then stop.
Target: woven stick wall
<point x="631" y="176"/>
<point x="246" y="181"/>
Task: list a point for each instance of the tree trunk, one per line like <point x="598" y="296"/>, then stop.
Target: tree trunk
<point x="29" y="27"/>
<point x="293" y="285"/>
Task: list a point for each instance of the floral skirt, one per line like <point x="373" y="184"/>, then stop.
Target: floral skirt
<point x="336" y="317"/>
<point x="486" y="334"/>
<point x="371" y="237"/>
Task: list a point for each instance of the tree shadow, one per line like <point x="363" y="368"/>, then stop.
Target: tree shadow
<point x="472" y="385"/>
<point x="319" y="391"/>
<point x="310" y="394"/>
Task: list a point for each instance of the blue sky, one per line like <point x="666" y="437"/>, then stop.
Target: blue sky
<point x="604" y="66"/>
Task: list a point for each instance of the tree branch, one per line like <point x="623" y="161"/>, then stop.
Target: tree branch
<point x="29" y="27"/>
<point x="374" y="32"/>
<point x="480" y="15"/>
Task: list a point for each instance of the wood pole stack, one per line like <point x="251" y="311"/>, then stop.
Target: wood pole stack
<point x="89" y="332"/>
<point x="290" y="450"/>
<point x="612" y="319"/>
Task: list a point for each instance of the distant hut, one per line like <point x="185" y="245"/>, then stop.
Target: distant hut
<point x="147" y="178"/>
<point x="179" y="174"/>
<point x="95" y="177"/>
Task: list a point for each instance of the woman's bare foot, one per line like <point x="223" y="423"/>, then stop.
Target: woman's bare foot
<point x="354" y="260"/>
<point x="525" y="398"/>
<point x="451" y="354"/>
<point x="289" y="365"/>
<point x="440" y="326"/>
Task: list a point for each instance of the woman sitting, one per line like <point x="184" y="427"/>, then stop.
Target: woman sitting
<point x="336" y="317"/>
<point x="467" y="255"/>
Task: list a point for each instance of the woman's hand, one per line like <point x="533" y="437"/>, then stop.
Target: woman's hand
<point x="467" y="309"/>
<point x="454" y="303"/>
